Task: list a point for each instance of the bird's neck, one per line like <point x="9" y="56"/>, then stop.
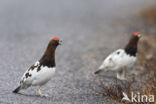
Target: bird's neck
<point x="48" y="59"/>
<point x="131" y="47"/>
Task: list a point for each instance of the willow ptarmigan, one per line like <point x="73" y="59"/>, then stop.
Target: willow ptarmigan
<point x="42" y="71"/>
<point x="121" y="58"/>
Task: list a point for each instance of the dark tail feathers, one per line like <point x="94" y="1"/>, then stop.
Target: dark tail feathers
<point x="97" y="72"/>
<point x="17" y="90"/>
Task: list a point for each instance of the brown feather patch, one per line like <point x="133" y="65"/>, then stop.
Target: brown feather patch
<point x="27" y="75"/>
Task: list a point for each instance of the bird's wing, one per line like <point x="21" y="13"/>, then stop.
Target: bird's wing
<point x="112" y="60"/>
<point x="28" y="75"/>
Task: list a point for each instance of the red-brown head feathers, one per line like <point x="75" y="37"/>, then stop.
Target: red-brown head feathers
<point x="55" y="38"/>
<point x="131" y="47"/>
<point x="136" y="33"/>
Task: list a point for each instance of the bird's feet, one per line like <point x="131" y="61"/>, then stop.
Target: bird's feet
<point x="41" y="94"/>
<point x="121" y="77"/>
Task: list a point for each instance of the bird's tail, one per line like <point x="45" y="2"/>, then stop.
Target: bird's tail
<point x="17" y="89"/>
<point x="99" y="71"/>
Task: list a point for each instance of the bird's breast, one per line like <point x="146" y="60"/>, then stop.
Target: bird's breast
<point x="44" y="75"/>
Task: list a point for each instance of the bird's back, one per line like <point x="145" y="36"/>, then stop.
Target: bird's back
<point x="117" y="60"/>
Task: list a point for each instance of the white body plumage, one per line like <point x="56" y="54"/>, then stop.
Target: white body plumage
<point x="117" y="60"/>
<point x="37" y="77"/>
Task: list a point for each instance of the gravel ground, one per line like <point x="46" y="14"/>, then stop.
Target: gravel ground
<point x="87" y="30"/>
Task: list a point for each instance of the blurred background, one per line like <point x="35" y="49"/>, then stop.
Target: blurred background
<point x="90" y="30"/>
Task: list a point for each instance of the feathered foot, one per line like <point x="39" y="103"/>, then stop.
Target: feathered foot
<point x="40" y="93"/>
<point x="121" y="75"/>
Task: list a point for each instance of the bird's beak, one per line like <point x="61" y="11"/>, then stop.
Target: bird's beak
<point x="60" y="42"/>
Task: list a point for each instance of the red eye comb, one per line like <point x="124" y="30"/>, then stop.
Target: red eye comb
<point x="55" y="38"/>
<point x="136" y="33"/>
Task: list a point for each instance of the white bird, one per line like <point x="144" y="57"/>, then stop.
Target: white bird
<point x="42" y="71"/>
<point x="121" y="58"/>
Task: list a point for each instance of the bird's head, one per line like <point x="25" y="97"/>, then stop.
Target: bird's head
<point x="56" y="41"/>
<point x="137" y="35"/>
<point x="49" y="54"/>
<point x="131" y="47"/>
